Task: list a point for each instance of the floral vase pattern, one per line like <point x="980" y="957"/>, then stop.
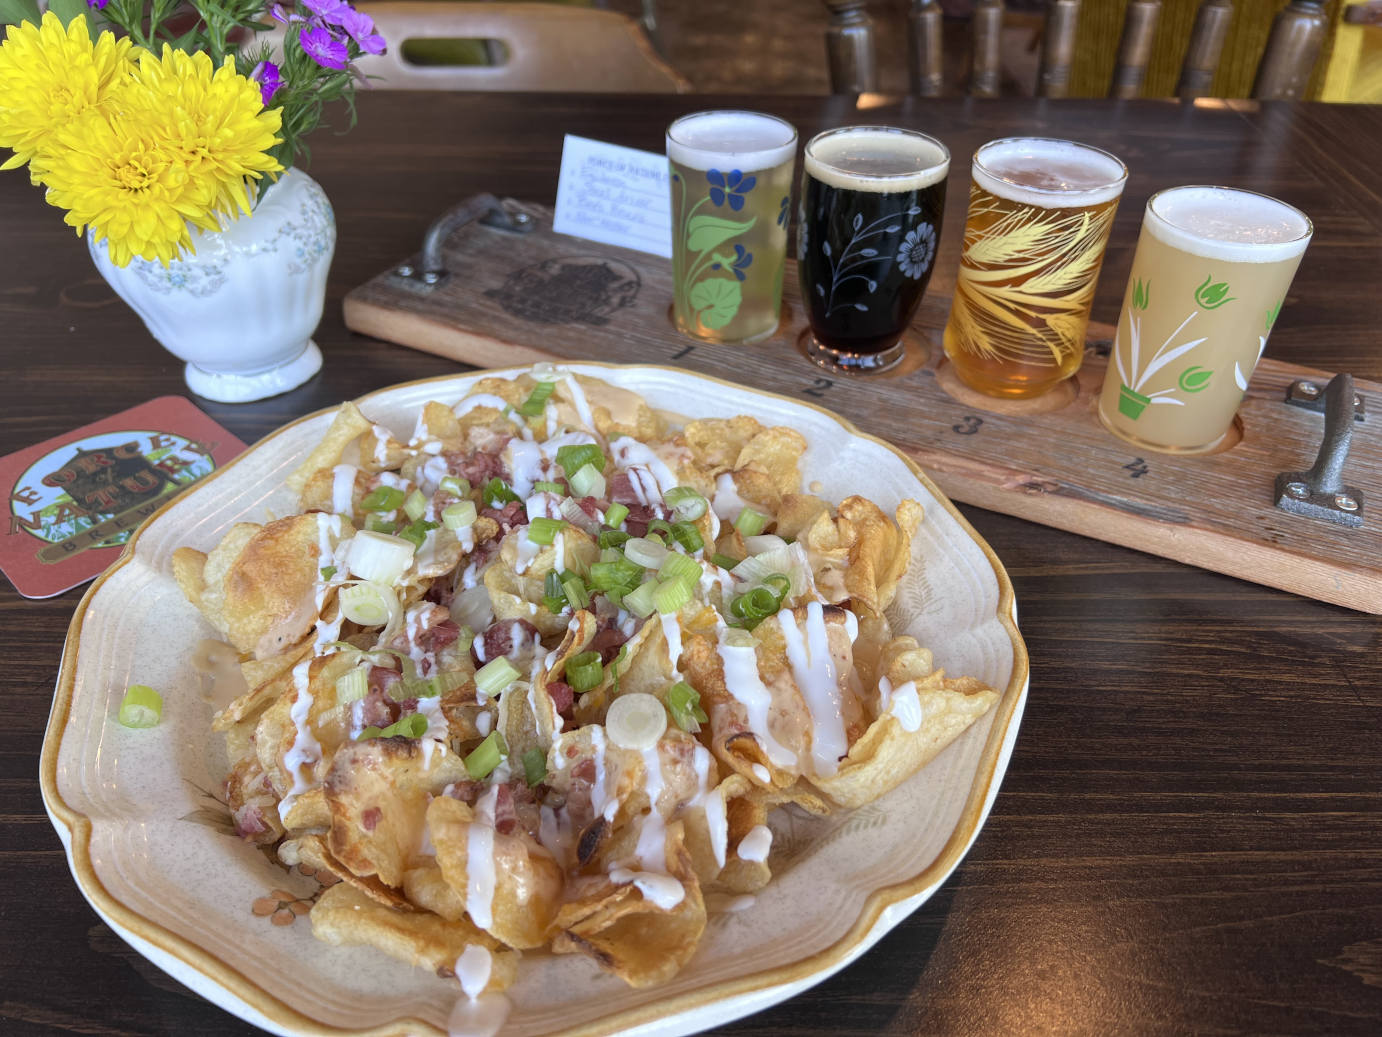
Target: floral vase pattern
<point x="241" y="310"/>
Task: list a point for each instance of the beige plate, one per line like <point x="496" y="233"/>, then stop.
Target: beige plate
<point x="151" y="850"/>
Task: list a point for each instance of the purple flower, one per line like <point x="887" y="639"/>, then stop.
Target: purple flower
<point x="327" y="12"/>
<point x="283" y="16"/>
<point x="327" y="51"/>
<point x="361" y="29"/>
<point x="99" y="5"/>
<point x="267" y="75"/>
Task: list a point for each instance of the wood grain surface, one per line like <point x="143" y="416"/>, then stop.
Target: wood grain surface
<point x="1187" y="839"/>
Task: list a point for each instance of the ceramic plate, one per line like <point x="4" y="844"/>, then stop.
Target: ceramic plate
<point x="152" y="851"/>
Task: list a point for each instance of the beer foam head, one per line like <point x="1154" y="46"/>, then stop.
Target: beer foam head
<point x="876" y="158"/>
<point x="1227" y="224"/>
<point x="1051" y="174"/>
<point x="731" y="140"/>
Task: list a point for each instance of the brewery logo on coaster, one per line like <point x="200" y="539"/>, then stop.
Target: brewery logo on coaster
<point x="75" y="500"/>
<point x="570" y="290"/>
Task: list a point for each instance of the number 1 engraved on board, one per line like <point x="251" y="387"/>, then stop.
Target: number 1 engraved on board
<point x="968" y="425"/>
<point x="819" y="387"/>
<point x="1138" y="468"/>
<point x="686" y="350"/>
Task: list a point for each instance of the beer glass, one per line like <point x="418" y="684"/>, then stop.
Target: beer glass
<point x="1208" y="280"/>
<point x="1040" y="212"/>
<point x="731" y="181"/>
<point x="871" y="204"/>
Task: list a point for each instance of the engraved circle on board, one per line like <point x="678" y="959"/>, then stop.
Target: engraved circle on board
<point x="569" y="290"/>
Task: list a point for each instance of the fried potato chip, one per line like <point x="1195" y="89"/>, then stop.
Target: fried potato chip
<point x="343" y="917"/>
<point x="377" y="792"/>
<point x="797" y="512"/>
<point x="716" y="443"/>
<point x="881" y="551"/>
<point x="775" y="452"/>
<point x="624" y="928"/>
<point x="346" y="427"/>
<point x="526" y="882"/>
<point x="270" y="588"/>
<point x="740" y="875"/>
<point x="616" y="412"/>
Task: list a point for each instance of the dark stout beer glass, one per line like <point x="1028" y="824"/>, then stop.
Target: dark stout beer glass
<point x="869" y="223"/>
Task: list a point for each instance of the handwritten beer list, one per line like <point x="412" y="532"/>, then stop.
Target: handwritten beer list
<point x="614" y="195"/>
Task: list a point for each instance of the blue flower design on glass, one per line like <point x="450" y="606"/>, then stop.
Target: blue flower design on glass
<point x="782" y="211"/>
<point x="742" y="261"/>
<point x="729" y="187"/>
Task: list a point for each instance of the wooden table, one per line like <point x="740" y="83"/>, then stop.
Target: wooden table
<point x="1188" y="836"/>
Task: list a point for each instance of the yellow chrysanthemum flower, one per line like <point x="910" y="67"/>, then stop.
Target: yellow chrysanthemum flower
<point x="50" y="76"/>
<point x="180" y="150"/>
<point x="214" y="119"/>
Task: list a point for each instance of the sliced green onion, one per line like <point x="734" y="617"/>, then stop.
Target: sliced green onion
<point x="750" y="522"/>
<point x="756" y="604"/>
<point x="763" y="543"/>
<point x="328" y="571"/>
<point x="455" y="485"/>
<point x="368" y="604"/>
<point x="686" y="502"/>
<point x="644" y="552"/>
<point x="670" y="596"/>
<point x="414" y="725"/>
<point x="614" y="665"/>
<point x="534" y="767"/>
<point x="575" y="457"/>
<point x="544" y="530"/>
<point x="616" y="515"/>
<point x="685" y="703"/>
<point x="635" y="721"/>
<point x="497" y="493"/>
<point x="379" y="557"/>
<point x="141" y="707"/>
<point x="552" y="594"/>
<point x="640" y="600"/>
<point x="494" y="677"/>
<point x="620" y="574"/>
<point x="547" y="486"/>
<point x="780" y="583"/>
<point x="658" y="525"/>
<point x="430" y="687"/>
<point x="379" y="524"/>
<point x="459" y="515"/>
<point x="415" y="505"/>
<point x="724" y="561"/>
<point x="613" y="538"/>
<point x="584" y="671"/>
<point x="679" y="567"/>
<point x="352" y="685"/>
<point x="574" y="591"/>
<point x="366" y="733"/>
<point x="587" y="482"/>
<point x="537" y="399"/>
<point x="383" y="498"/>
<point x="688" y="536"/>
<point x="416" y="533"/>
<point x="486" y="756"/>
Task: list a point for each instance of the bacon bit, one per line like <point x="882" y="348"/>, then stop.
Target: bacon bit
<point x="477" y="468"/>
<point x="563" y="696"/>
<point x="592" y="506"/>
<point x="639" y="516"/>
<point x="507" y="637"/>
<point x="370" y="818"/>
<point x="584" y="771"/>
<point x="510" y="516"/>
<point x="436" y="637"/>
<point x="466" y="791"/>
<point x="505" y="819"/>
<point x="442" y="592"/>
<point x="607" y="642"/>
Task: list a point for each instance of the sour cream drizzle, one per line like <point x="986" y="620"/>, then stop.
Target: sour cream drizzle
<point x="756" y="844"/>
<point x="816" y="677"/>
<point x="744" y="682"/>
<point x="306" y="750"/>
<point x="902" y="702"/>
<point x="343" y="489"/>
<point x="479" y="861"/>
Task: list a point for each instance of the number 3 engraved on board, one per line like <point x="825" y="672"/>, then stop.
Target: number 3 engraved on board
<point x="1137" y="467"/>
<point x="968" y="425"/>
<point x="820" y="385"/>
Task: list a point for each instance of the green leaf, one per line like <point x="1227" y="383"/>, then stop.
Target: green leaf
<point x="1194" y="379"/>
<point x="705" y="232"/>
<point x="12" y="12"/>
<point x="716" y="301"/>
<point x="67" y="10"/>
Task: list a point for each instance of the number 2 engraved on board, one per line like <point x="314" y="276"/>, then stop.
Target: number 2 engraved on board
<point x="1137" y="467"/>
<point x="686" y="350"/>
<point x="968" y="425"/>
<point x="819" y="387"/>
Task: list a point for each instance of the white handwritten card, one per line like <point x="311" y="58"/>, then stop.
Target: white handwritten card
<point x="614" y="195"/>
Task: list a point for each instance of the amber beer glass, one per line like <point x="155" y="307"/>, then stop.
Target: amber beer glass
<point x="731" y="182"/>
<point x="1040" y="212"/>
<point x="1211" y="271"/>
<point x="871" y="204"/>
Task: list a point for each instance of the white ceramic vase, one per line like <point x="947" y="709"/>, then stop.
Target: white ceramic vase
<point x="241" y="311"/>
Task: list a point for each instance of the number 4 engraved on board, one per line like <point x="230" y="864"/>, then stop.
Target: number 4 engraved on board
<point x="1137" y="467"/>
<point x="818" y="387"/>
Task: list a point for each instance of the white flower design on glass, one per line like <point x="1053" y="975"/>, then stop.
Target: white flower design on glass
<point x="917" y="251"/>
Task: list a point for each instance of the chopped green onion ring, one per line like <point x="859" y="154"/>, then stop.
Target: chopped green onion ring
<point x="141" y="707"/>
<point x="584" y="671"/>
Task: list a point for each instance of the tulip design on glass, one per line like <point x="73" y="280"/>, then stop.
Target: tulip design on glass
<point x="1132" y="401"/>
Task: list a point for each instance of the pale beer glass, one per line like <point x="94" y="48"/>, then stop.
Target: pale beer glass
<point x="872" y="198"/>
<point x="1040" y="212"/>
<point x="731" y="183"/>
<point x="1211" y="271"/>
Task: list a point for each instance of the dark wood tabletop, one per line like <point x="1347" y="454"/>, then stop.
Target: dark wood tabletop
<point x="1189" y="835"/>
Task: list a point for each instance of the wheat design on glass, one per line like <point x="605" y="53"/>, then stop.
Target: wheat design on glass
<point x="1040" y="212"/>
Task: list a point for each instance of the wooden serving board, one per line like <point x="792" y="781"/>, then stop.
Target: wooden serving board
<point x="512" y="299"/>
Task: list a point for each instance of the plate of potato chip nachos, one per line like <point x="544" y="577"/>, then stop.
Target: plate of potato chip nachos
<point x="569" y="699"/>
